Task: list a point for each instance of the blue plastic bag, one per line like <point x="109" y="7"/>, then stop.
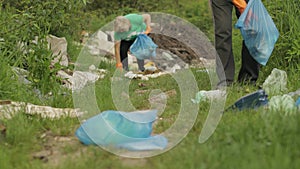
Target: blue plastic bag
<point x="131" y="131"/>
<point x="143" y="47"/>
<point x="251" y="101"/>
<point x="298" y="102"/>
<point x="258" y="30"/>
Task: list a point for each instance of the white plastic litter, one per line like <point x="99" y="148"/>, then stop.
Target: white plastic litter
<point x="284" y="104"/>
<point x="208" y="95"/>
<point x="11" y="108"/>
<point x="276" y="82"/>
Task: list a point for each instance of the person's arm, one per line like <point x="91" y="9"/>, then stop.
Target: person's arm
<point x="147" y="20"/>
<point x="240" y="4"/>
<point x="117" y="54"/>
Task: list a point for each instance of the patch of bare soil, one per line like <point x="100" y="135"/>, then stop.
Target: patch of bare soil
<point x="57" y="149"/>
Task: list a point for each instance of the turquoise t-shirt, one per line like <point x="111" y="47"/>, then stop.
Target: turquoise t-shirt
<point x="137" y="26"/>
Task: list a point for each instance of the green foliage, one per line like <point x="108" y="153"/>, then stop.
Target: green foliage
<point x="285" y="14"/>
<point x="25" y="26"/>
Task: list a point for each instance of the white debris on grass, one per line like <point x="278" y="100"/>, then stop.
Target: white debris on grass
<point x="132" y="75"/>
<point x="79" y="79"/>
<point x="204" y="95"/>
<point x="10" y="108"/>
<point x="284" y="104"/>
<point x="276" y="83"/>
<point x="59" y="48"/>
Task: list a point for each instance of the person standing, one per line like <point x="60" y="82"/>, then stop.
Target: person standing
<point x="222" y="15"/>
<point x="127" y="28"/>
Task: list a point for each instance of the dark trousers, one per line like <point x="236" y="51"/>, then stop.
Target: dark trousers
<point x="222" y="14"/>
<point x="124" y="47"/>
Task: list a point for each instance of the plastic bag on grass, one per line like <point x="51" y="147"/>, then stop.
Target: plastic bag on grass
<point x="251" y="101"/>
<point x="143" y="47"/>
<point x="203" y="95"/>
<point x="258" y="30"/>
<point x="276" y="82"/>
<point x="283" y="104"/>
<point x="131" y="131"/>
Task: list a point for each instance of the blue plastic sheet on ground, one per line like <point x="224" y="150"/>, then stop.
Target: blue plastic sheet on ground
<point x="143" y="47"/>
<point x="258" y="30"/>
<point x="129" y="130"/>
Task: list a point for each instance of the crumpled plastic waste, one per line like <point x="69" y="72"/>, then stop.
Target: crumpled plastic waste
<point x="284" y="104"/>
<point x="150" y="66"/>
<point x="128" y="130"/>
<point x="276" y="82"/>
<point x="251" y="101"/>
<point x="203" y="95"/>
<point x="132" y="75"/>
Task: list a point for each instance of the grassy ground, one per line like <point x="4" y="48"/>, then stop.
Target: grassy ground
<point x="250" y="139"/>
<point x="246" y="139"/>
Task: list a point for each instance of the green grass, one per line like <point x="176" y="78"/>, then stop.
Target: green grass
<point x="245" y="139"/>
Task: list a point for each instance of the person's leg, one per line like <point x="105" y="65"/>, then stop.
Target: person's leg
<point x="141" y="63"/>
<point x="124" y="47"/>
<point x="222" y="14"/>
<point x="249" y="67"/>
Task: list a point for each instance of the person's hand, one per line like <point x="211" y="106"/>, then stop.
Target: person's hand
<point x="119" y="66"/>
<point x="148" y="30"/>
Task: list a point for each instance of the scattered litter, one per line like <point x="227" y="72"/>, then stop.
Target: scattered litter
<point x="208" y="95"/>
<point x="132" y="75"/>
<point x="58" y="47"/>
<point x="128" y="130"/>
<point x="150" y="66"/>
<point x="9" y="108"/>
<point x="284" y="104"/>
<point x="251" y="101"/>
<point x="276" y="82"/>
<point x="80" y="79"/>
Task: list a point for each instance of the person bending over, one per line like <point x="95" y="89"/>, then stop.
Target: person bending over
<point x="126" y="30"/>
